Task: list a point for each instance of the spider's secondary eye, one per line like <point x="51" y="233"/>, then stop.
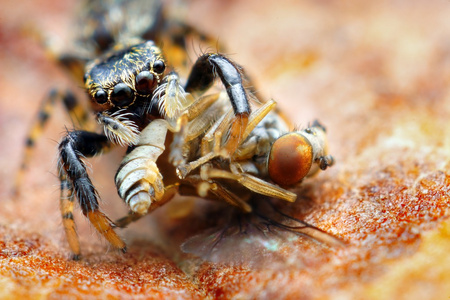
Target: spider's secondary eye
<point x="290" y="159"/>
<point x="159" y="66"/>
<point x="145" y="82"/>
<point x="122" y="95"/>
<point x="101" y="97"/>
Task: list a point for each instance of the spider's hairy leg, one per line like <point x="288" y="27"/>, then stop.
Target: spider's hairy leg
<point x="74" y="179"/>
<point x="202" y="77"/>
<point x="66" y="207"/>
<point x="73" y="62"/>
<point x="176" y="35"/>
<point x="76" y="111"/>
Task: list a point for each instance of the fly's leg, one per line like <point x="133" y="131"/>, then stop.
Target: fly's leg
<point x="215" y="134"/>
<point x="179" y="108"/>
<point x="196" y="114"/>
<point x="255" y="119"/>
<point x="182" y="135"/>
<point x="195" y="185"/>
<point x="202" y="77"/>
<point x="278" y="219"/>
<point x="224" y="194"/>
<point x="76" y="111"/>
<point x="251" y="182"/>
<point x="75" y="180"/>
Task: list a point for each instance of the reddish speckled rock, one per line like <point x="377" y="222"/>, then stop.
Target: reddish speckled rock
<point x="375" y="74"/>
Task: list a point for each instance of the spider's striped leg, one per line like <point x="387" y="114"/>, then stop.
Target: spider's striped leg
<point x="66" y="206"/>
<point x="77" y="113"/>
<point x="74" y="179"/>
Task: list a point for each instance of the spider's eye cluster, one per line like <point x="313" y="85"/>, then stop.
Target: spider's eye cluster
<point x="159" y="66"/>
<point x="122" y="95"/>
<point x="290" y="159"/>
<point x="101" y="97"/>
<point x="146" y="80"/>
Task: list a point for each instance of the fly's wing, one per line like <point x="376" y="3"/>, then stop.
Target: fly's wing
<point x="232" y="245"/>
<point x="265" y="238"/>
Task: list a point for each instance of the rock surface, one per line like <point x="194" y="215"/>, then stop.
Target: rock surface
<point x="376" y="74"/>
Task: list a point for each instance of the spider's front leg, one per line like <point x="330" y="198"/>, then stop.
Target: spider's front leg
<point x="202" y="77"/>
<point x="75" y="146"/>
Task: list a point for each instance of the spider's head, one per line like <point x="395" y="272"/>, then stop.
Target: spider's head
<point x="124" y="77"/>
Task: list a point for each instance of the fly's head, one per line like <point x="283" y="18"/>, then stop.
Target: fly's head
<point x="121" y="85"/>
<point x="298" y="154"/>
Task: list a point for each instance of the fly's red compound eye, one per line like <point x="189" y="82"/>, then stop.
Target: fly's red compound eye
<point x="290" y="159"/>
<point x="145" y="81"/>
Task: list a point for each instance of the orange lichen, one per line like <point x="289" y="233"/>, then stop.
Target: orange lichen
<point x="375" y="74"/>
<point x="34" y="269"/>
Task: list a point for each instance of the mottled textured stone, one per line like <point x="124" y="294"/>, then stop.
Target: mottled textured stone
<point x="377" y="75"/>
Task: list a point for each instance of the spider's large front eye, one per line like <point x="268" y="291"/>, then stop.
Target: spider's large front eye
<point x="290" y="159"/>
<point x="145" y="82"/>
<point x="100" y="97"/>
<point x="159" y="66"/>
<point x="122" y="95"/>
